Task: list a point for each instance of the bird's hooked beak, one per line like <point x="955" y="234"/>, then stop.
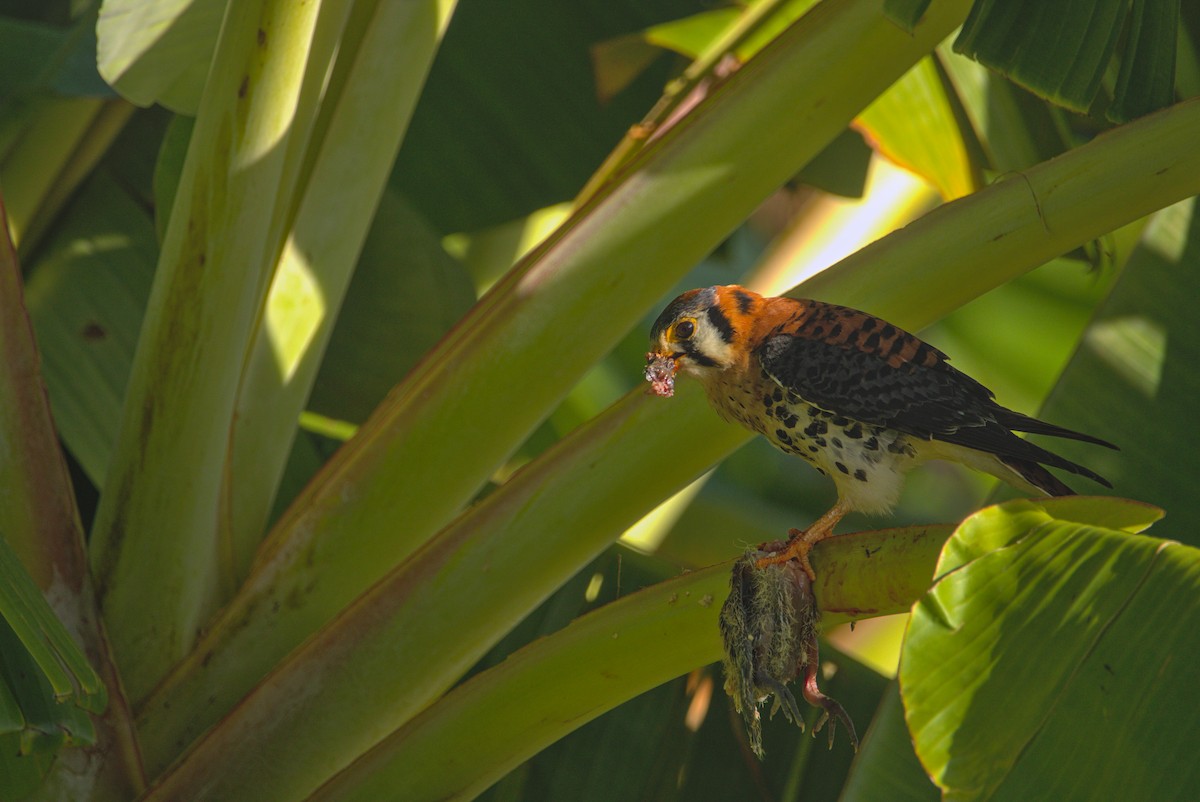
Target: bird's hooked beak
<point x="660" y="372"/>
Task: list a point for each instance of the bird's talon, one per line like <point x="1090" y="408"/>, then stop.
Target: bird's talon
<point x="796" y="548"/>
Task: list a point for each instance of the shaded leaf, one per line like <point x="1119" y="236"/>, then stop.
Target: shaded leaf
<point x="86" y="297"/>
<point x="1147" y="79"/>
<point x="887" y="767"/>
<point x="1014" y="128"/>
<point x="1056" y="50"/>
<point x="1133" y="378"/>
<point x="405" y="294"/>
<point x="36" y="58"/>
<point x="1062" y="50"/>
<point x="491" y="145"/>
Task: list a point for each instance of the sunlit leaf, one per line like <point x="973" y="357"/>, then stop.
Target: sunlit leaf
<point x="913" y="123"/>
<point x="152" y="51"/>
<point x="1049" y="641"/>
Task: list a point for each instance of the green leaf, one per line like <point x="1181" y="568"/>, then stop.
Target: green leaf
<point x="53" y="144"/>
<point x="364" y="114"/>
<point x="23" y="774"/>
<point x="691" y="35"/>
<point x="22" y="47"/>
<point x="48" y="683"/>
<point x="215" y="265"/>
<point x="1013" y="127"/>
<point x="35" y="57"/>
<point x="47" y="720"/>
<point x="841" y="167"/>
<point x="1147" y="79"/>
<point x="1057" y="50"/>
<point x="905" y="13"/>
<point x="748" y="29"/>
<point x="152" y="51"/>
<point x="393" y="313"/>
<point x="913" y="123"/>
<point x="1133" y="378"/>
<point x="86" y="295"/>
<point x="1061" y="50"/>
<point x="1040" y="626"/>
<point x="887" y="767"/>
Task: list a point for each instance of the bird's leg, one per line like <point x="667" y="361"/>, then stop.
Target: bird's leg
<point x="801" y="542"/>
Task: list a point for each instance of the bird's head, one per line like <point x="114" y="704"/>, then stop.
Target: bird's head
<point x="699" y="333"/>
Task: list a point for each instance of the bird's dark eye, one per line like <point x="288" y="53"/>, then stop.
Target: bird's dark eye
<point x="684" y="329"/>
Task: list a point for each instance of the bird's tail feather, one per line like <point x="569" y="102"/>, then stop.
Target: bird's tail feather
<point x="1039" y="477"/>
<point x="1030" y="454"/>
<point x="1024" y="423"/>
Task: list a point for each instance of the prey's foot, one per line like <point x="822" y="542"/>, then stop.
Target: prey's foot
<point x="831" y="710"/>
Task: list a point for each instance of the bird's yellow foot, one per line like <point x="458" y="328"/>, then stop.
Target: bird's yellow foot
<point x="797" y="547"/>
<point x="801" y="542"/>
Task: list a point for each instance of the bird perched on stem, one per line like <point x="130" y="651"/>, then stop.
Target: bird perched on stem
<point x="856" y="397"/>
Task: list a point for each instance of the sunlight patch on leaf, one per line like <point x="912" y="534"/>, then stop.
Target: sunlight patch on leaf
<point x="295" y="309"/>
<point x="1134" y="347"/>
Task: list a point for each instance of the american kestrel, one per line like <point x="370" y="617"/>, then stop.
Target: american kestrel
<point x="858" y="398"/>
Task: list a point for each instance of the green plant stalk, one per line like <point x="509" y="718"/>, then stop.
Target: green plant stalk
<point x="501" y="717"/>
<point x="551" y="517"/>
<point x="684" y="429"/>
<point x="154" y="545"/>
<point x="356" y="152"/>
<point x="40" y="522"/>
<point x="380" y="497"/>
